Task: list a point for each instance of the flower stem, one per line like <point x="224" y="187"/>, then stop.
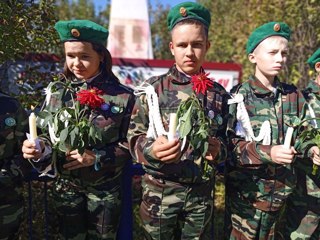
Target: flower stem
<point x="314" y="169"/>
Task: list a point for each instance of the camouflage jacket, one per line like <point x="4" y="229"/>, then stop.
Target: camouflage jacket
<point x="114" y="121"/>
<point x="312" y="95"/>
<point x="172" y="88"/>
<point x="251" y="174"/>
<point x="13" y="127"/>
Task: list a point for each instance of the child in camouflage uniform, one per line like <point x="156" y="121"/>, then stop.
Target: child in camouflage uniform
<point x="177" y="200"/>
<point x="14" y="122"/>
<point x="259" y="175"/>
<point x="87" y="192"/>
<point x="302" y="215"/>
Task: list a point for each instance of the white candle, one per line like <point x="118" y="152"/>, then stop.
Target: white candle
<point x="287" y="140"/>
<point x="172" y="126"/>
<point x="33" y="126"/>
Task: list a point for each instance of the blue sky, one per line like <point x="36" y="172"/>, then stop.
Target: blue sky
<point x="101" y="3"/>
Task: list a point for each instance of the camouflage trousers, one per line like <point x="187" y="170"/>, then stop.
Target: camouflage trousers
<point x="11" y="208"/>
<point x="244" y="221"/>
<point x="171" y="210"/>
<point x="301" y="218"/>
<point x="87" y="212"/>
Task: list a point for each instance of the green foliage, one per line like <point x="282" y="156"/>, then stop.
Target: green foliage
<point x="195" y="125"/>
<point x="311" y="137"/>
<point x="26" y="26"/>
<point x="103" y="15"/>
<point x="68" y="126"/>
<point x="75" y="9"/>
<point x="31" y="82"/>
<point x="159" y="32"/>
<point x="83" y="9"/>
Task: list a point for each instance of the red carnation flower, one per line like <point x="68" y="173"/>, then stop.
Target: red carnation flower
<point x="90" y="97"/>
<point x="201" y="82"/>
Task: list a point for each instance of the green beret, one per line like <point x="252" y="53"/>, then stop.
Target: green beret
<point x="314" y="59"/>
<point x="188" y="10"/>
<point x="267" y="30"/>
<point x="82" y="30"/>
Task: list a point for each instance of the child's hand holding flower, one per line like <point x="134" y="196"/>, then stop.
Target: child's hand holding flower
<point x="213" y="149"/>
<point x="77" y="160"/>
<point x="70" y="127"/>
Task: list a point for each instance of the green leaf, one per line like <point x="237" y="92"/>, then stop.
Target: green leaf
<point x="185" y="124"/>
<point x="43" y="114"/>
<point x="73" y="135"/>
<point x="62" y="147"/>
<point x="64" y="134"/>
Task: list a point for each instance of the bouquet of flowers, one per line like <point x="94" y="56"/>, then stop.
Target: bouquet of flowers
<point x="70" y="127"/>
<point x="194" y="123"/>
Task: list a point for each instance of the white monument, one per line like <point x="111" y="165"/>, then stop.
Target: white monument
<point x="129" y="30"/>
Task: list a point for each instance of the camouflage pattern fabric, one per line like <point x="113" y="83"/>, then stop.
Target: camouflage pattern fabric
<point x="171" y="200"/>
<point x="251" y="176"/>
<point x="171" y="210"/>
<point x="302" y="215"/>
<point x="91" y="212"/>
<point x="87" y="199"/>
<point x="13" y="125"/>
<point x="244" y="216"/>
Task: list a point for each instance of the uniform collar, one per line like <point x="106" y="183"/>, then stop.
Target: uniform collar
<point x="95" y="81"/>
<point x="259" y="89"/>
<point x="313" y="87"/>
<point x="180" y="77"/>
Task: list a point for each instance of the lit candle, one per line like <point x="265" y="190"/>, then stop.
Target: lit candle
<point x="172" y="126"/>
<point x="33" y="126"/>
<point x="287" y="140"/>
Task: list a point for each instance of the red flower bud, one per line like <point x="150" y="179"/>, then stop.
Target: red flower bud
<point x="90" y="97"/>
<point x="201" y="82"/>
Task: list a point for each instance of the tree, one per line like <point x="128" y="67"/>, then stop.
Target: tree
<point x="159" y="32"/>
<point x="26" y="26"/>
<point x="83" y="9"/>
<point x="103" y="15"/>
